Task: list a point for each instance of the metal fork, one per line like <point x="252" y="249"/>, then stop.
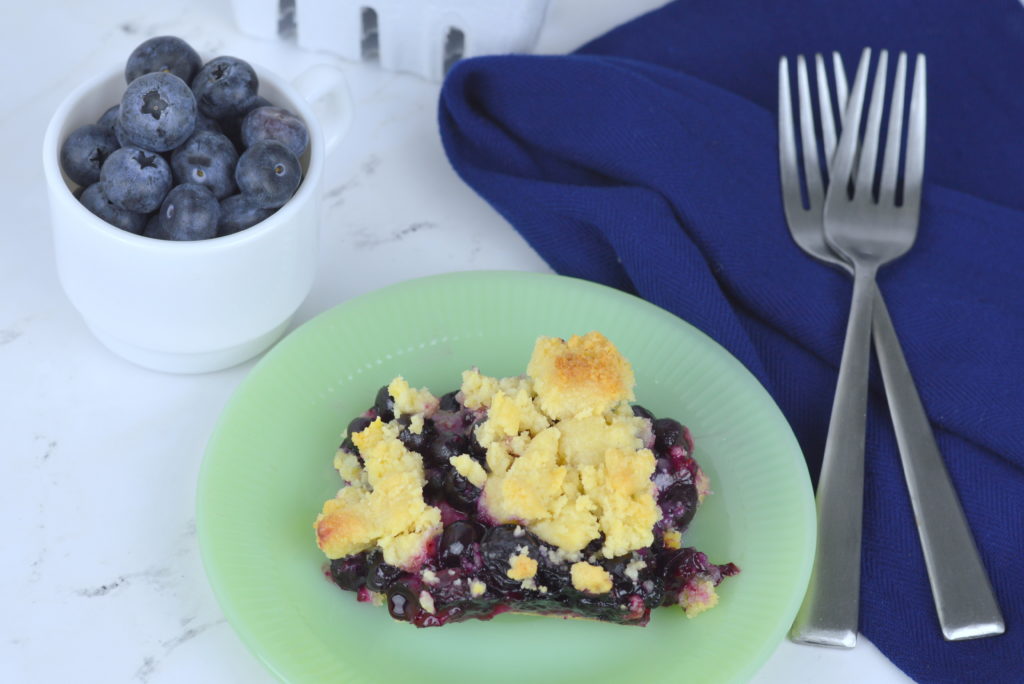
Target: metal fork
<point x="964" y="600"/>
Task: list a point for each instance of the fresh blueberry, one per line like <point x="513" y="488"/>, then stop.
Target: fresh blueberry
<point x="678" y="503"/>
<point x="206" y="159"/>
<point x="225" y="87"/>
<point x="460" y="493"/>
<point x="384" y="405"/>
<point x="349" y="572"/>
<point x="449" y="402"/>
<point x="456" y="540"/>
<point x="84" y="151"/>
<point x="380" y="575"/>
<point x="402" y="603"/>
<point x="190" y="212"/>
<point x="667" y="433"/>
<point x="135" y="179"/>
<point x="419" y="442"/>
<point x="96" y="201"/>
<point x="109" y="117"/>
<point x="205" y="123"/>
<point x="275" y="123"/>
<point x="640" y="412"/>
<point x="158" y="112"/>
<point x="163" y="53"/>
<point x="239" y="212"/>
<point x="269" y="172"/>
<point x="441" y="450"/>
<point x="153" y="229"/>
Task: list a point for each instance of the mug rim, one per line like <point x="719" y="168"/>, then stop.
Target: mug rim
<point x="54" y="175"/>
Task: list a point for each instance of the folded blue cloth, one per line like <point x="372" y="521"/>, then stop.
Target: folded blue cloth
<point x="647" y="161"/>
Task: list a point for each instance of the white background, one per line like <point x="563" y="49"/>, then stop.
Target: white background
<point x="100" y="576"/>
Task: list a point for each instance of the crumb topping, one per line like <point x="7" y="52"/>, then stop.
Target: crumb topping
<point x="590" y="578"/>
<point x="430" y="577"/>
<point x="470" y="469"/>
<point x="569" y="476"/>
<point x="427" y="602"/>
<point x="581" y="376"/>
<point x="521" y="566"/>
<point x="697" y="596"/>
<point x="387" y="509"/>
<point x="348" y="467"/>
<point x="634" y="567"/>
<point x="477" y="588"/>
<point x="409" y="400"/>
<point x="673" y="539"/>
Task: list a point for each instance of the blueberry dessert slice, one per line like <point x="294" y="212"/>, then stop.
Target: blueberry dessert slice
<point x="548" y="493"/>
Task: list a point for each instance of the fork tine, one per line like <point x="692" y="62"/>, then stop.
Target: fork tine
<point x="812" y="172"/>
<point x="914" y="171"/>
<point x="788" y="169"/>
<point x="828" y="126"/>
<point x="842" y="91"/>
<point x="842" y="165"/>
<point x="872" y="132"/>
<point x="891" y="160"/>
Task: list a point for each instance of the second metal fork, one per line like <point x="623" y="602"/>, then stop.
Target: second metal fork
<point x="964" y="599"/>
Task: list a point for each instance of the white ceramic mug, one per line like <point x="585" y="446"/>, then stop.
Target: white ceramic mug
<point x="193" y="307"/>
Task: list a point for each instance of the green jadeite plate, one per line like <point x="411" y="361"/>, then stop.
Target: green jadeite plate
<point x="267" y="471"/>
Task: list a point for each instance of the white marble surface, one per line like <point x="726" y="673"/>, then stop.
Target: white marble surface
<point x="100" y="579"/>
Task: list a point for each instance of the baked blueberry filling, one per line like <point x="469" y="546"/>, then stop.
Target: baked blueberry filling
<point x="470" y="569"/>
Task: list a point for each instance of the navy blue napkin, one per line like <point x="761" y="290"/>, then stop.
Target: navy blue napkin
<point x="647" y="161"/>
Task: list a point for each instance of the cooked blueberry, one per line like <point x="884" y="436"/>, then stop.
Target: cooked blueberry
<point x="357" y="425"/>
<point x="136" y="180"/>
<point x="384" y="405"/>
<point x="593" y="546"/>
<point x="109" y="117"/>
<point x="275" y="123"/>
<point x="239" y="212"/>
<point x="419" y="442"/>
<point x="456" y="540"/>
<point x="402" y="603"/>
<point x="449" y="402"/>
<point x="433" y="489"/>
<point x="206" y="159"/>
<point x="441" y="450"/>
<point x="501" y="542"/>
<point x="95" y="200"/>
<point x="678" y="566"/>
<point x="640" y="412"/>
<point x="460" y="493"/>
<point x="269" y="173"/>
<point x="667" y="433"/>
<point x="678" y="503"/>
<point x="349" y="572"/>
<point x="158" y="112"/>
<point x="380" y="575"/>
<point x="163" y="53"/>
<point x="474" y="449"/>
<point x="225" y="87"/>
<point x="84" y="151"/>
<point x="190" y="212"/>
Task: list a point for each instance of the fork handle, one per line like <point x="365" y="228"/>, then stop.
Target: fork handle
<point x="829" y="614"/>
<point x="964" y="600"/>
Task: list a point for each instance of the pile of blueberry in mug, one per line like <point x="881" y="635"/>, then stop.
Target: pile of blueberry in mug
<point x="191" y="152"/>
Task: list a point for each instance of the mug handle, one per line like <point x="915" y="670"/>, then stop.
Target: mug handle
<point x="325" y="88"/>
